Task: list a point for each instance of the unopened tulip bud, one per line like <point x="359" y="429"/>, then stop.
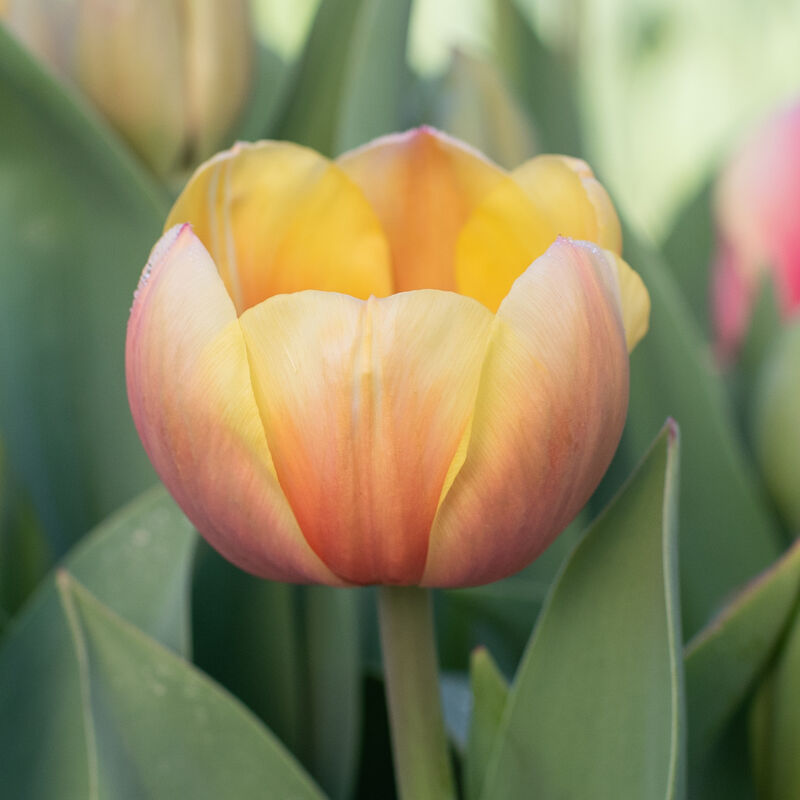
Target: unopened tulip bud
<point x="170" y="75"/>
<point x="777" y="424"/>
<point x="757" y="209"/>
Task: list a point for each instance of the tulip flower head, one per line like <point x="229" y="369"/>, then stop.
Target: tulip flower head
<point x="391" y="368"/>
<point x="758" y="220"/>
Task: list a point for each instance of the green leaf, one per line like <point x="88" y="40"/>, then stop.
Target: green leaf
<point x="292" y="655"/>
<point x="156" y="727"/>
<point x="596" y="708"/>
<point x="490" y="694"/>
<point x="474" y="104"/>
<point x="724" y="661"/>
<point x="350" y="81"/>
<point x="688" y="252"/>
<point x="77" y="220"/>
<point x="727" y="533"/>
<point x="542" y="79"/>
<point x="25" y="556"/>
<point x="268" y="96"/>
<point x="138" y="563"/>
<point x="775" y="727"/>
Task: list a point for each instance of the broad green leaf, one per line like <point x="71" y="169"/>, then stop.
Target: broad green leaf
<point x="775" y="729"/>
<point x="688" y="252"/>
<point x="157" y="728"/>
<point x="77" y="220"/>
<point x="541" y="79"/>
<point x="597" y="708"/>
<point x="292" y="655"/>
<point x="474" y="104"/>
<point x="489" y="697"/>
<point x="456" y="708"/>
<point x="350" y="80"/>
<point x="727" y="533"/>
<point x="138" y="563"/>
<point x="724" y="661"/>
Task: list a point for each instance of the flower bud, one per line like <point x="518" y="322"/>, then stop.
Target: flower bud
<point x="757" y="208"/>
<point x="777" y="424"/>
<point x="171" y="76"/>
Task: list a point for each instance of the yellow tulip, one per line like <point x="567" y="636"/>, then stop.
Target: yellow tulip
<point x="170" y="75"/>
<point x="390" y="368"/>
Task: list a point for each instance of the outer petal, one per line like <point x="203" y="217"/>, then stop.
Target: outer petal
<point x="192" y="402"/>
<point x="546" y="197"/>
<point x="278" y="217"/>
<point x="423" y="186"/>
<point x="548" y="416"/>
<point x="364" y="405"/>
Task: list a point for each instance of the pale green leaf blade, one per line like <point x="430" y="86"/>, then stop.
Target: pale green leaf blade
<point x="490" y="694"/>
<point x="726" y="658"/>
<point x="160" y="728"/>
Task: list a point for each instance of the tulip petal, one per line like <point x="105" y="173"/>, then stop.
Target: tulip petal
<point x="364" y="405"/>
<point x="424" y="186"/>
<point x="546" y="197"/>
<point x="192" y="402"/>
<point x="548" y="416"/>
<point x="277" y="217"/>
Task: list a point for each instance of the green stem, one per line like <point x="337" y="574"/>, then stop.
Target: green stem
<point x="421" y="758"/>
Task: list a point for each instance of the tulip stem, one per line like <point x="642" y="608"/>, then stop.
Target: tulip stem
<point x="421" y="758"/>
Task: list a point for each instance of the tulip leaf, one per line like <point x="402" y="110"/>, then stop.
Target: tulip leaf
<point x="775" y="729"/>
<point x="150" y="726"/>
<point x="689" y="250"/>
<point x="727" y="533"/>
<point x="350" y="81"/>
<point x="724" y="661"/>
<point x="138" y="564"/>
<point x="541" y="79"/>
<point x="596" y="707"/>
<point x="489" y="697"/>
<point x="474" y="104"/>
<point x="77" y="219"/>
<point x="268" y="96"/>
<point x="292" y="655"/>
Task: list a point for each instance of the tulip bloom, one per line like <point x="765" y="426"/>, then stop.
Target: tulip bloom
<point x="757" y="210"/>
<point x="389" y="368"/>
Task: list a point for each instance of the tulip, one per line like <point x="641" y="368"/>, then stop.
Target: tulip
<point x="757" y="210"/>
<point x="777" y="424"/>
<point x="171" y="76"/>
<point x="391" y="368"/>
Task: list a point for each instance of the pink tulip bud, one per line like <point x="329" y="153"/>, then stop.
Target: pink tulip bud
<point x="758" y="219"/>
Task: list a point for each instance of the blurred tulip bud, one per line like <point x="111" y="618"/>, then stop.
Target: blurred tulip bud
<point x="757" y="210"/>
<point x="777" y="424"/>
<point x="170" y="75"/>
<point x="477" y="107"/>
